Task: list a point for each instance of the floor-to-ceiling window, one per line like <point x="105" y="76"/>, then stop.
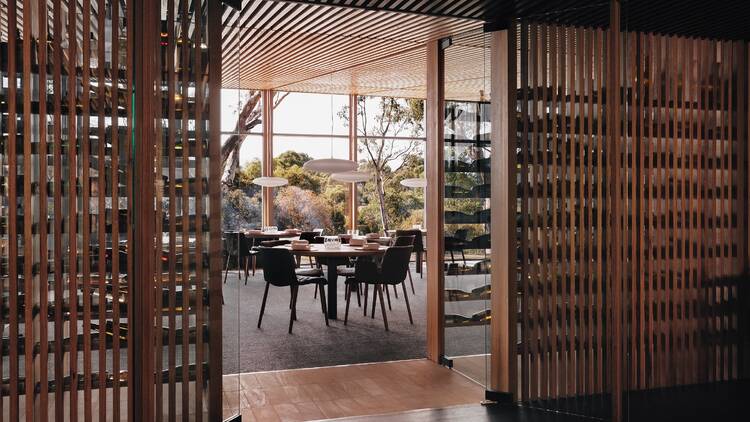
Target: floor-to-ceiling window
<point x="390" y="145"/>
<point x="307" y="127"/>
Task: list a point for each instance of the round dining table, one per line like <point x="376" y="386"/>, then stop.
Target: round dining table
<point x="332" y="258"/>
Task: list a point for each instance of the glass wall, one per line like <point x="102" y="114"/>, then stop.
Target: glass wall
<point x="467" y="157"/>
<point x="311" y="200"/>
<point x="390" y="145"/>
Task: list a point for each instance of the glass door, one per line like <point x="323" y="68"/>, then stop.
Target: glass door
<point x="467" y="155"/>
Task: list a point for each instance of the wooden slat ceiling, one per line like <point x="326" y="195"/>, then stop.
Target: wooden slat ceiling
<point x="723" y="19"/>
<point x="467" y="68"/>
<point x="317" y="48"/>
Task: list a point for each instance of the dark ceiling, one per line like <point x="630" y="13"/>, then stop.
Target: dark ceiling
<point x="724" y="19"/>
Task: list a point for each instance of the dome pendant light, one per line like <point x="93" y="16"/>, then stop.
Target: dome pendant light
<point x="270" y="182"/>
<point x="330" y="165"/>
<point x="414" y="183"/>
<point x="351" y="176"/>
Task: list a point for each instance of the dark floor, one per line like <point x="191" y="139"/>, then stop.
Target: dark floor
<point x="249" y="349"/>
<point x="720" y="402"/>
<point x="473" y="413"/>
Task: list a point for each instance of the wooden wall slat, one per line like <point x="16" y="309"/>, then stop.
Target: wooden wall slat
<point x="172" y="266"/>
<point x="72" y="210"/>
<point x="115" y="213"/>
<point x="12" y="214"/>
<point x="554" y="329"/>
<point x="58" y="262"/>
<point x="102" y="214"/>
<point x="525" y="183"/>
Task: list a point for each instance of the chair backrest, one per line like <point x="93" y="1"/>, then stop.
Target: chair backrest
<point x="309" y="236"/>
<point x="403" y="241"/>
<point x="418" y="245"/>
<point x="272" y="243"/>
<point x="246" y="243"/>
<point x="278" y="266"/>
<point x="395" y="264"/>
<point x="461" y="234"/>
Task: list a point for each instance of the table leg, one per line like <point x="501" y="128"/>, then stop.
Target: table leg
<point x="332" y="287"/>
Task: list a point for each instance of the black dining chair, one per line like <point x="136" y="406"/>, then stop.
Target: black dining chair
<point x="248" y="254"/>
<point x="279" y="270"/>
<point x="419" y="250"/>
<point x="406" y="241"/>
<point x="311" y="238"/>
<point x="391" y="272"/>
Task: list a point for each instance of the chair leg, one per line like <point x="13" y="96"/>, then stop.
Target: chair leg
<point x="293" y="315"/>
<point x="255" y="262"/>
<point x="359" y="296"/>
<point x="387" y="295"/>
<point x="367" y="287"/>
<point x="453" y="260"/>
<point x="412" y="283"/>
<point x="408" y="308"/>
<point x="263" y="305"/>
<point x="348" y="297"/>
<point x="226" y="269"/>
<point x="395" y="291"/>
<point x="382" y="306"/>
<point x="463" y="257"/>
<point x="315" y="295"/>
<point x="323" y="303"/>
<point x="247" y="268"/>
<point x="374" y="299"/>
<point x="419" y="265"/>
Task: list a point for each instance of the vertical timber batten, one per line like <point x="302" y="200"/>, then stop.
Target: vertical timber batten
<point x="214" y="192"/>
<point x="267" y="120"/>
<point x="434" y="130"/>
<point x="141" y="391"/>
<point x="503" y="203"/>
<point x="353" y="200"/>
<point x="614" y="163"/>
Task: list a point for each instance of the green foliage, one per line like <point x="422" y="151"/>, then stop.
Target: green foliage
<point x="302" y="208"/>
<point x="240" y="211"/>
<point x="289" y="165"/>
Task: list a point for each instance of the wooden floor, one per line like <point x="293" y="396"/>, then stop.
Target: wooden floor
<point x="476" y="367"/>
<point x="346" y="391"/>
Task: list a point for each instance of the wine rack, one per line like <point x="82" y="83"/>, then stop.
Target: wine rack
<point x="467" y="156"/>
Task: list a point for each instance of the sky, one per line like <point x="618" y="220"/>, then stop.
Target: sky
<point x="297" y="113"/>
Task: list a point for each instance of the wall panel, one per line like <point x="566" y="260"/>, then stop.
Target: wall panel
<point x="632" y="214"/>
<point x="74" y="211"/>
<point x="561" y="259"/>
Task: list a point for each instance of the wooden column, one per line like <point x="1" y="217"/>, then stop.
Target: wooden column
<point x="146" y="35"/>
<point x="434" y="129"/>
<point x="214" y="221"/>
<point x="353" y="200"/>
<point x="267" y="119"/>
<point x="614" y="277"/>
<point x="503" y="205"/>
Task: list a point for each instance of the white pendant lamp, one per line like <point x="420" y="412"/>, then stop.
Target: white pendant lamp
<point x="414" y="183"/>
<point x="330" y="165"/>
<point x="270" y="182"/>
<point x="352" y="176"/>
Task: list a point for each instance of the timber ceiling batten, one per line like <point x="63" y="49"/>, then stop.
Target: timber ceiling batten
<point x="317" y="48"/>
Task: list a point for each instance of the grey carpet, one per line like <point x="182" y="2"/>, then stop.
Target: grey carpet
<point x="249" y="349"/>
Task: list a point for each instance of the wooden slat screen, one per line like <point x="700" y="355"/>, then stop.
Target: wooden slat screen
<point x="670" y="186"/>
<point x="186" y="220"/>
<point x="682" y="174"/>
<point x="68" y="216"/>
<point x="66" y="117"/>
<point x="562" y="212"/>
